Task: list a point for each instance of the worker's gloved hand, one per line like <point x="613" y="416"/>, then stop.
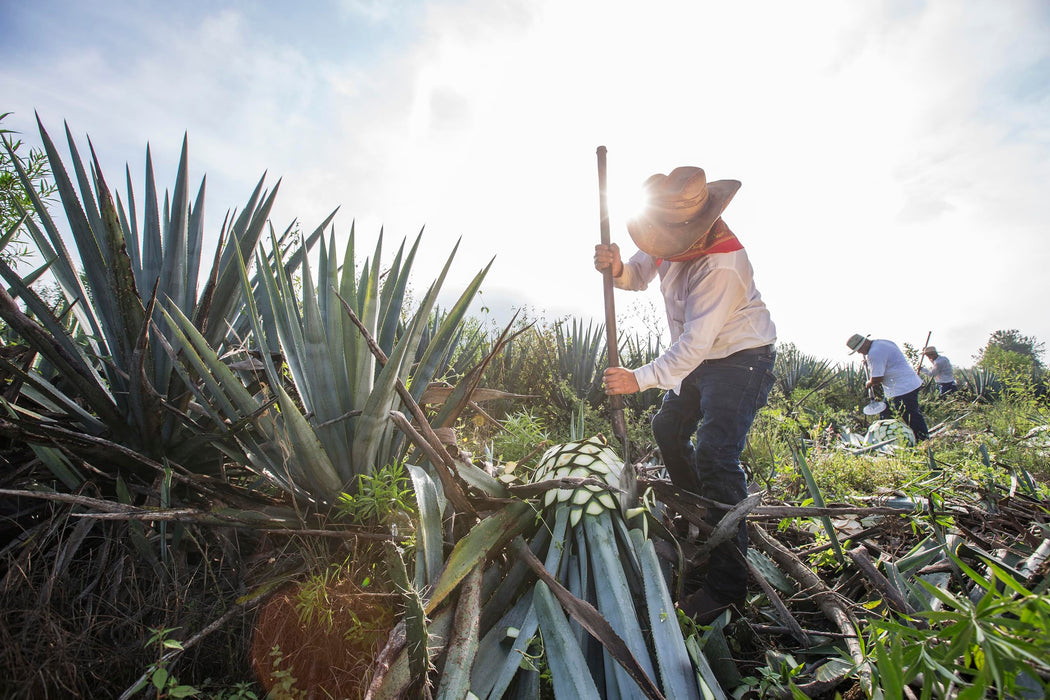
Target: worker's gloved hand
<point x="607" y="257"/>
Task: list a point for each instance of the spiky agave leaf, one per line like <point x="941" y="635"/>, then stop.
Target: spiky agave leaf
<point x="580" y="353"/>
<point x="606" y="578"/>
<point x="112" y="351"/>
<point x="340" y="427"/>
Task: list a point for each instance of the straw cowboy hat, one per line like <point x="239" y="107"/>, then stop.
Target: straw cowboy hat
<point x="855" y="342"/>
<point x="683" y="206"/>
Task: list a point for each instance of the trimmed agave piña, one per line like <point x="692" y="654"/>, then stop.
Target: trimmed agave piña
<point x="599" y="601"/>
<point x="588" y="459"/>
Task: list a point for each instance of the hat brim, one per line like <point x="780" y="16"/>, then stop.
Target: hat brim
<point x="663" y="240"/>
<point x="854" y="351"/>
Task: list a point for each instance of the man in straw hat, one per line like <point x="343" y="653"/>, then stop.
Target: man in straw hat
<point x="942" y="373"/>
<point x="718" y="369"/>
<point x="893" y="376"/>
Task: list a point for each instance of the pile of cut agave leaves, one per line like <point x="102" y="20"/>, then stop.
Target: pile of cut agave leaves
<point x="568" y="585"/>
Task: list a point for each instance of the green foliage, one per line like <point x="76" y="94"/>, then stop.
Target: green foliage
<point x="528" y="366"/>
<point x="105" y="364"/>
<point x="796" y="371"/>
<point x="979" y="645"/>
<point x="243" y="690"/>
<point x="581" y="358"/>
<point x="468" y="347"/>
<point x="380" y="498"/>
<point x="15" y="201"/>
<point x="284" y="681"/>
<point x="312" y="602"/>
<point x="1014" y="358"/>
<point x="524" y="433"/>
<point x="779" y="673"/>
<point x="1008" y="363"/>
<point x="1014" y="346"/>
<point x="338" y="424"/>
<point x="158" y="675"/>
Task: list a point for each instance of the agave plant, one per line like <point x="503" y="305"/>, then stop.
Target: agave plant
<point x="597" y="612"/>
<point x="104" y="369"/>
<point x="580" y="352"/>
<point x="797" y="370"/>
<point x="852" y="378"/>
<point x="635" y="353"/>
<point x="339" y="423"/>
<point x="984" y="384"/>
<point x="465" y="351"/>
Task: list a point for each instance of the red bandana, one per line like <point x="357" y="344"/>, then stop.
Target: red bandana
<point x="718" y="240"/>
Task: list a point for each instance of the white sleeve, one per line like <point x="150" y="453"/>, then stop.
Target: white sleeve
<point x="637" y="273"/>
<point x="707" y="309"/>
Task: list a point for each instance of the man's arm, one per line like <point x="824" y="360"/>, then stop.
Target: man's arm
<point x="706" y="311"/>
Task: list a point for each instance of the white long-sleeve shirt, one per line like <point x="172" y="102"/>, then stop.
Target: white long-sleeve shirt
<point x="713" y="310"/>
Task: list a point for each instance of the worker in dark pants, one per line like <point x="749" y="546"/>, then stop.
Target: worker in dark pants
<point x="895" y="378"/>
<point x="941" y="372"/>
<point x="718" y="368"/>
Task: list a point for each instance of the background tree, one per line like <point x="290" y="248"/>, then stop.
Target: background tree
<point x="1011" y="354"/>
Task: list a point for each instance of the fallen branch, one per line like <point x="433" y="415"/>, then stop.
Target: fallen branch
<point x="450" y="480"/>
<point x="889" y="592"/>
<point x="241" y="606"/>
<point x="792" y="626"/>
<point x="826" y="599"/>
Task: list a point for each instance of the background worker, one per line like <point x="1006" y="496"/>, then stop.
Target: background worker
<point x="895" y="378"/>
<point x="941" y="371"/>
<point x="718" y="368"/>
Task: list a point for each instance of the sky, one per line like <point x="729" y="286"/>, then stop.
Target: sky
<point x="894" y="155"/>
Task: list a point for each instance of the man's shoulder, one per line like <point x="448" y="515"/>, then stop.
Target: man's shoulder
<point x="735" y="260"/>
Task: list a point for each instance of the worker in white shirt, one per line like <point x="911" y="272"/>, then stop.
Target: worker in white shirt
<point x="941" y="372"/>
<point x="895" y="378"/>
<point x="718" y="370"/>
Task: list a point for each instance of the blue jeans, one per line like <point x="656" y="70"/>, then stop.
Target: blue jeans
<point x="906" y="407"/>
<point x="718" y="400"/>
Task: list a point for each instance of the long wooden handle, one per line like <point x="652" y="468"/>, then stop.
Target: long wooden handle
<point x="619" y="425"/>
<point x="607" y="280"/>
<point x="922" y="353"/>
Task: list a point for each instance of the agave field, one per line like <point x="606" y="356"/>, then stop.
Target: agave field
<point x="267" y="470"/>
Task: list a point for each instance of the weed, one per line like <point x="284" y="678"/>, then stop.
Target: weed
<point x="382" y="497"/>
<point x="283" y="679"/>
<point x="523" y="432"/>
<point x="158" y="674"/>
<point x="998" y="642"/>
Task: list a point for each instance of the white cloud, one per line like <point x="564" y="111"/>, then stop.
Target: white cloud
<point x="893" y="155"/>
